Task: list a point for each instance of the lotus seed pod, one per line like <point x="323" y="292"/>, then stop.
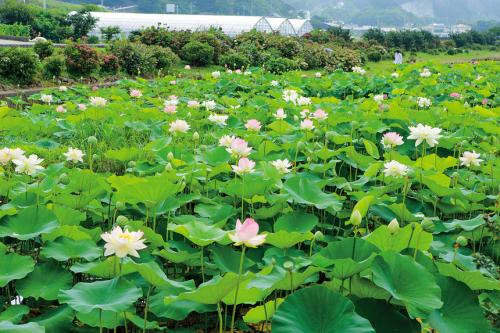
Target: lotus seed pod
<point x="428" y="225"/>
<point x="131" y="164"/>
<point x="462" y="241"/>
<point x="356" y="218"/>
<point x="393" y="226"/>
<point x="120" y="205"/>
<point x="170" y="156"/>
<point x="300" y="145"/>
<point x="92" y="140"/>
<point x="121" y="219"/>
<point x="317" y="132"/>
<point x="288" y="265"/>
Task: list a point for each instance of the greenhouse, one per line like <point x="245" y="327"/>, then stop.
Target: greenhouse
<point x="230" y="25"/>
<point x="301" y="26"/>
<point x="281" y="25"/>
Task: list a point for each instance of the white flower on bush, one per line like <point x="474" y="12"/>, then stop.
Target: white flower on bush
<point x="216" y="74"/>
<point x="359" y="70"/>
<point x="425" y="72"/>
<point x="395" y="169"/>
<point x="74" y="155"/>
<point x="123" y="242"/>
<point x="98" y="101"/>
<point x="179" y="126"/>
<point x="303" y="101"/>
<point x="209" y="105"/>
<point x="423" y="102"/>
<point x="218" y="119"/>
<point x="290" y="96"/>
<point x="422" y="133"/>
<point x="283" y="166"/>
<point x="469" y="159"/>
<point x="28" y="165"/>
<point x="47" y="98"/>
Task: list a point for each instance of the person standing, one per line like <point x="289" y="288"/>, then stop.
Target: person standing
<point x="398" y="58"/>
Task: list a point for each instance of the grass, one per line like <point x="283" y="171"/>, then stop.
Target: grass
<point x="387" y="66"/>
<point x="55" y="4"/>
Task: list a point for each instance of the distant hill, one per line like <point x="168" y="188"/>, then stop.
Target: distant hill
<point x="398" y="12"/>
<point x="227" y="7"/>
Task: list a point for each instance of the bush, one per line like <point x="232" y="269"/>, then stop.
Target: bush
<point x="314" y="55"/>
<point x="288" y="47"/>
<point x="280" y="65"/>
<point x="135" y="58"/>
<point x="164" y="56"/>
<point x="16" y="30"/>
<point x="44" y="49"/>
<point x="219" y="41"/>
<point x="53" y="66"/>
<point x="197" y="53"/>
<point x="19" y="65"/>
<point x="235" y="60"/>
<point x="344" y="58"/>
<point x="110" y="64"/>
<point x="81" y="60"/>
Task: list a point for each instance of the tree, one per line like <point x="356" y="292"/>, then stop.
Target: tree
<point x="14" y="12"/>
<point x="82" y="23"/>
<point x="109" y="33"/>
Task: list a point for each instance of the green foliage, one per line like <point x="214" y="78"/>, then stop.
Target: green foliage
<point x="235" y="60"/>
<point x="197" y="53"/>
<point x="16" y="30"/>
<point x="19" y="65"/>
<point x="44" y="49"/>
<point x="280" y="65"/>
<point x="81" y="60"/>
<point x="53" y="66"/>
<point x="109" y="33"/>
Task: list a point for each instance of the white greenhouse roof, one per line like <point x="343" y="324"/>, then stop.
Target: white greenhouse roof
<point x="231" y="25"/>
<point x="281" y="25"/>
<point x="301" y="27"/>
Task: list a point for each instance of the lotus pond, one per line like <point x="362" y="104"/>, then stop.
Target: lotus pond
<point x="334" y="202"/>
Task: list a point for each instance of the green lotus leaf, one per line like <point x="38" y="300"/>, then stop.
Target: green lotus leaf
<point x="110" y="319"/>
<point x="14" y="313"/>
<point x="385" y="318"/>
<point x="410" y="236"/>
<point x="300" y="313"/>
<point x="59" y="319"/>
<point x="304" y="191"/>
<point x="14" y="267"/>
<point x="259" y="313"/>
<point x="297" y="221"/>
<point x="474" y="280"/>
<point x="408" y="282"/>
<point x="111" y="295"/>
<point x="461" y="312"/>
<point x="284" y="239"/>
<point x="200" y="233"/>
<point x="49" y="275"/>
<point x="29" y="223"/>
<point x="63" y="249"/>
<point x="8" y="327"/>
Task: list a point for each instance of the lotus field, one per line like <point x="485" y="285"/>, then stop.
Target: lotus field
<point x="249" y="202"/>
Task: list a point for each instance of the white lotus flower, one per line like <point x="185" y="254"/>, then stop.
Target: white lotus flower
<point x="123" y="243"/>
<point x="283" y="166"/>
<point x="209" y="105"/>
<point x="425" y="73"/>
<point x="218" y="119"/>
<point x="395" y="75"/>
<point x="226" y="141"/>
<point x="275" y="83"/>
<point x="359" y="70"/>
<point x="391" y="140"/>
<point x="423" y="102"/>
<point x="280" y="114"/>
<point x="98" y="101"/>
<point x="74" y="155"/>
<point x="28" y="165"/>
<point x="179" y="126"/>
<point x="303" y="101"/>
<point x="290" y="96"/>
<point x="63" y="88"/>
<point x="216" y="74"/>
<point x="47" y="98"/>
<point x="422" y="133"/>
<point x="395" y="169"/>
<point x="469" y="159"/>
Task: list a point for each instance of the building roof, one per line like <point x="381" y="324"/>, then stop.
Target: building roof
<point x="230" y="25"/>
<point x="281" y="25"/>
<point x="301" y="26"/>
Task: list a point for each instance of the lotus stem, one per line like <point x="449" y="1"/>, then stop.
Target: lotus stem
<point x="233" y="316"/>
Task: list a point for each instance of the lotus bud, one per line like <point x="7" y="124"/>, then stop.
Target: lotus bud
<point x="356" y="218"/>
<point x="196" y="137"/>
<point x="354" y="124"/>
<point x="428" y="225"/>
<point x="393" y="226"/>
<point x="64" y="179"/>
<point x="317" y="132"/>
<point x="462" y="241"/>
<point x="288" y="265"/>
<point x="131" y="164"/>
<point x="300" y="145"/>
<point x="120" y="205"/>
<point x="330" y="135"/>
<point x="170" y="156"/>
<point x="169" y="167"/>
<point x="318" y="235"/>
<point x="309" y="159"/>
<point x="95" y="157"/>
<point x="121" y="219"/>
<point x="92" y="140"/>
<point x="295" y="118"/>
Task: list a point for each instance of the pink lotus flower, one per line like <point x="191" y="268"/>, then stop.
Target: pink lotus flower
<point x="244" y="166"/>
<point x="82" y="107"/>
<point x="226" y="141"/>
<point x="238" y="71"/>
<point x="484" y="101"/>
<point x="60" y="109"/>
<point x="239" y="147"/>
<point x="391" y="140"/>
<point x="280" y="114"/>
<point x="172" y="96"/>
<point x="320" y="114"/>
<point x="253" y="125"/>
<point x="247" y="233"/>
<point x="193" y="104"/>
<point x="307" y="125"/>
<point x="95" y="88"/>
<point x="455" y="95"/>
<point x="173" y="82"/>
<point x="170" y="109"/>
<point x="135" y="93"/>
